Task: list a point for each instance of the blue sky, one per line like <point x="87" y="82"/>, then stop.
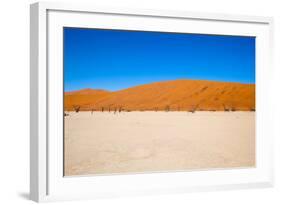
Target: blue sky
<point x="116" y="59"/>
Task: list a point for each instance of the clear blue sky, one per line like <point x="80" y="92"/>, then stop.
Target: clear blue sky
<point x="116" y="59"/>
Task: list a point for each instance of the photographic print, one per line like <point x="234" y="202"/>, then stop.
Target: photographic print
<point x="146" y="101"/>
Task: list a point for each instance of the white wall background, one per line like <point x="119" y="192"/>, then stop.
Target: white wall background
<point x="14" y="101"/>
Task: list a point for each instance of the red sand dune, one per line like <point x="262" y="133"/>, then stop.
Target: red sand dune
<point x="174" y="95"/>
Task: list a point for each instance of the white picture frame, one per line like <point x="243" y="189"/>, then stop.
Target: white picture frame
<point x="46" y="178"/>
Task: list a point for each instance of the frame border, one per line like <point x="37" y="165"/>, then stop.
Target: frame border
<point x="39" y="188"/>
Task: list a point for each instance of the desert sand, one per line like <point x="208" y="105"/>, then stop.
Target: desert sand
<point x="176" y="95"/>
<point x="135" y="142"/>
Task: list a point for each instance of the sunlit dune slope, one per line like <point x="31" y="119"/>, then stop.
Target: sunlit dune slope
<point x="83" y="98"/>
<point x="174" y="95"/>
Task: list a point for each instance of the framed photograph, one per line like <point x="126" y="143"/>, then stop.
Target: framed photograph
<point x="130" y="102"/>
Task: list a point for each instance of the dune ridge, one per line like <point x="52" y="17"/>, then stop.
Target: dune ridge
<point x="174" y="95"/>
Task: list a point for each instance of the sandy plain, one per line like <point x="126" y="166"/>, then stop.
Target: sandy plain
<point x="136" y="142"/>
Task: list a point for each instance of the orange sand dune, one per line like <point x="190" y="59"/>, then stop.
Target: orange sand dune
<point x="83" y="98"/>
<point x="178" y="95"/>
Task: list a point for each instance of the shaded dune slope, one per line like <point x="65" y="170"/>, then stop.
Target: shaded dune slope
<point x="174" y="95"/>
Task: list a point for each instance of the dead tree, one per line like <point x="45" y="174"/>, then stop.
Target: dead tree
<point x="115" y="110"/>
<point x="156" y="109"/>
<point x="194" y="108"/>
<point x="102" y="109"/>
<point x="167" y="108"/>
<point x="232" y="107"/>
<point x="225" y="108"/>
<point x="120" y="109"/>
<point x="76" y="108"/>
